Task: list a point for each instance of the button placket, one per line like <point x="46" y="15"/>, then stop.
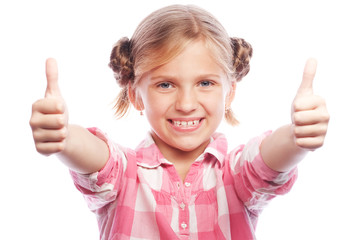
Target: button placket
<point x="183" y="225"/>
<point x="182" y="205"/>
<point x="183" y="210"/>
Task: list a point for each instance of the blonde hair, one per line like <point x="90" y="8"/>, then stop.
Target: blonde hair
<point x="163" y="35"/>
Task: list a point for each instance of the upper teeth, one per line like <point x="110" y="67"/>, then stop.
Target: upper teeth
<point x="186" y="123"/>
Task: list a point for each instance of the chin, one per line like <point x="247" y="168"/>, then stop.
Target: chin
<point x="186" y="147"/>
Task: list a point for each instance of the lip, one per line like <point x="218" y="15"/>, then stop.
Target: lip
<point x="185" y="124"/>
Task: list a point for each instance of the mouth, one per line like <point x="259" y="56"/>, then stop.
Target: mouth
<point x="186" y="123"/>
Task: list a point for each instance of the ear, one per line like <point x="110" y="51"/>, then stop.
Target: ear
<point x="230" y="95"/>
<point x="134" y="99"/>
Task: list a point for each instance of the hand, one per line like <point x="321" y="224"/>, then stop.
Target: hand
<point x="309" y="113"/>
<point x="49" y="119"/>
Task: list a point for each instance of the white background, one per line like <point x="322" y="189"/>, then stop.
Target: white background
<point x="38" y="199"/>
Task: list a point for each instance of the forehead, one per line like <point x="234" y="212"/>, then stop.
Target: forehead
<point x="156" y="56"/>
<point x="196" y="59"/>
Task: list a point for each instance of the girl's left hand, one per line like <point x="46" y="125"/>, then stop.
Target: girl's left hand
<point x="309" y="114"/>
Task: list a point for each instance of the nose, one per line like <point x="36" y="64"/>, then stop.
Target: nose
<point x="187" y="100"/>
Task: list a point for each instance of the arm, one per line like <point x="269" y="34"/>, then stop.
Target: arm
<point x="280" y="151"/>
<point x="288" y="145"/>
<point x="75" y="146"/>
<point x="83" y="152"/>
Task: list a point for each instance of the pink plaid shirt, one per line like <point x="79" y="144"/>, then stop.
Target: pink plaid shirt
<point x="139" y="195"/>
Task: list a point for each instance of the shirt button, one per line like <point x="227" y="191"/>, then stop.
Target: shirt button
<point x="183" y="225"/>
<point x="182" y="206"/>
<point x="187" y="184"/>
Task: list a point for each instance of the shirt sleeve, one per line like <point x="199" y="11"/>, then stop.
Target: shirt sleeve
<point x="255" y="183"/>
<point x="101" y="188"/>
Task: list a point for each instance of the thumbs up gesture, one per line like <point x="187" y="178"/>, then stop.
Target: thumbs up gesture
<point x="49" y="119"/>
<point x="309" y="113"/>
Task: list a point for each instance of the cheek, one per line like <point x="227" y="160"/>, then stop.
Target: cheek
<point x="155" y="105"/>
<point x="220" y="109"/>
<point x="215" y="104"/>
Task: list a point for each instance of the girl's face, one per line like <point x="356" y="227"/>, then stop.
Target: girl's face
<point x="184" y="100"/>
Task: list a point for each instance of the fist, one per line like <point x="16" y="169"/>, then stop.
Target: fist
<point x="310" y="117"/>
<point x="49" y="118"/>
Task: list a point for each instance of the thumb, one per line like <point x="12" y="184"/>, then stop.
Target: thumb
<point x="52" y="88"/>
<point x="306" y="86"/>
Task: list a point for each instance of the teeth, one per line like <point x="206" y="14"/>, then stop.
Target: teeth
<point x="186" y="123"/>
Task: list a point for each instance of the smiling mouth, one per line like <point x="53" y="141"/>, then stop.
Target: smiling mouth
<point x="185" y="124"/>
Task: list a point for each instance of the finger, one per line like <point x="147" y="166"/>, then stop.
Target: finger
<point x="46" y="135"/>
<point x="52" y="88"/>
<point x="314" y="130"/>
<point x="308" y="102"/>
<point x="48" y="148"/>
<point x="310" y="143"/>
<point x="48" y="121"/>
<point x="306" y="118"/>
<point x="306" y="86"/>
<point x="311" y="117"/>
<point x="49" y="106"/>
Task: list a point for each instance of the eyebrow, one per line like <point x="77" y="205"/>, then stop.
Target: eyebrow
<point x="210" y="75"/>
<point x="202" y="76"/>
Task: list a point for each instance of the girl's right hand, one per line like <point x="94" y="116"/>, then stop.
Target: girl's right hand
<point x="49" y="119"/>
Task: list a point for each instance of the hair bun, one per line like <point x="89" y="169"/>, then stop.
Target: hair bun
<point x="121" y="62"/>
<point x="242" y="53"/>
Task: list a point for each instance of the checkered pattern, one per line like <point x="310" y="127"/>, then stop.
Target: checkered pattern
<point x="139" y="195"/>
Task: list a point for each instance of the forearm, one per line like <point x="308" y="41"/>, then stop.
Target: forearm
<point x="84" y="152"/>
<point x="279" y="150"/>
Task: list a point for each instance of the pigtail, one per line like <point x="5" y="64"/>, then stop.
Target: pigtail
<point x="230" y="117"/>
<point x="122" y="65"/>
<point x="242" y="53"/>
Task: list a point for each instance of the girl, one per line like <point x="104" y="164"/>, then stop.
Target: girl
<point x="180" y="69"/>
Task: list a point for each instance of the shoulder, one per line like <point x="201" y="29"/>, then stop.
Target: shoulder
<point x="247" y="151"/>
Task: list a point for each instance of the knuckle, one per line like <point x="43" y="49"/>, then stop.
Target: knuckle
<point x="39" y="147"/>
<point x="321" y="100"/>
<point x="297" y="118"/>
<point x="297" y="131"/>
<point x="59" y="107"/>
<point x="33" y="122"/>
<point x="320" y="142"/>
<point x="35" y="105"/>
<point x="323" y="129"/>
<point x="299" y="142"/>
<point x="63" y="133"/>
<point x="317" y="145"/>
<point x="325" y="116"/>
<point x="61" y="146"/>
<point x="296" y="105"/>
<point x="36" y="136"/>
<point x="60" y="121"/>
<point x="58" y="147"/>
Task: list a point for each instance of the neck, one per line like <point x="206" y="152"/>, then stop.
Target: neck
<point x="175" y="155"/>
<point x="181" y="159"/>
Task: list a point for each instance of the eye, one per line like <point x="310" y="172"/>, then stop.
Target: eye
<point x="206" y="83"/>
<point x="165" y="85"/>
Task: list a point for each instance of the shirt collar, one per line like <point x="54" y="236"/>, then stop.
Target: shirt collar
<point x="217" y="147"/>
<point x="148" y="154"/>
